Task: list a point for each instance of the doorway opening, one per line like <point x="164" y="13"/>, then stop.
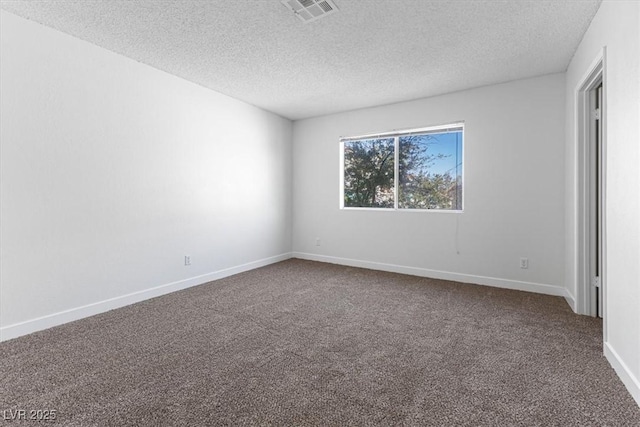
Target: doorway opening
<point x="591" y="292"/>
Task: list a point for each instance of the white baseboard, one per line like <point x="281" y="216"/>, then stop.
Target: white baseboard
<point x="437" y="274"/>
<point x="23" y="328"/>
<point x="624" y="373"/>
<point x="571" y="300"/>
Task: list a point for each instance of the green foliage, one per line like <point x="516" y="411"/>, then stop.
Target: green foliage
<point x="419" y="188"/>
<point x="369" y="175"/>
<point x="437" y="191"/>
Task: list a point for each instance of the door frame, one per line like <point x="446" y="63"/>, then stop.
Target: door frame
<point x="595" y="75"/>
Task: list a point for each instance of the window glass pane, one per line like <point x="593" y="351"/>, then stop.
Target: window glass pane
<point x="430" y="171"/>
<point x="369" y="173"/>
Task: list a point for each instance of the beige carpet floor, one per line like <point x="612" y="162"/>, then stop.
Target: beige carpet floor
<point x="305" y="343"/>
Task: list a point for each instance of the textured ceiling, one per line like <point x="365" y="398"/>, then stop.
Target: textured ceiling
<point x="371" y="52"/>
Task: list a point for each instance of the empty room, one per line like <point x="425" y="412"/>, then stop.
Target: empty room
<point x="320" y="212"/>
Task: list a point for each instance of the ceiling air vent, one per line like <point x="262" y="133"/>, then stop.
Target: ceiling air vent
<point x="310" y="10"/>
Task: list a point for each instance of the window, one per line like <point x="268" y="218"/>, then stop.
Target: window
<point x="416" y="169"/>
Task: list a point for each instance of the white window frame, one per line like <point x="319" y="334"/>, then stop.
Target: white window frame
<point x="396" y="134"/>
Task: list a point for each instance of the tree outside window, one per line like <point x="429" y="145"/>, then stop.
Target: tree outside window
<point x="428" y="174"/>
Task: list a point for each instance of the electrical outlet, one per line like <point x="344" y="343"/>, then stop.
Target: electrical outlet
<point x="317" y="241"/>
<point x="524" y="263"/>
<point x="187" y="260"/>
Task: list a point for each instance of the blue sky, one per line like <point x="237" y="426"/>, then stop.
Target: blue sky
<point x="449" y="144"/>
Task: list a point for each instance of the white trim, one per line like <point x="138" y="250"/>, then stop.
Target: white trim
<point x="45" y="322"/>
<point x="604" y="276"/>
<point x="404" y="209"/>
<point x="595" y="72"/>
<point x="396" y="172"/>
<point x="571" y="300"/>
<point x="441" y="128"/>
<point x="624" y="373"/>
<point x="539" y="288"/>
<point x="341" y="172"/>
<point x="458" y="127"/>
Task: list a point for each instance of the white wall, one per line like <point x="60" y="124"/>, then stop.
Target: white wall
<point x="513" y="190"/>
<point x="616" y="26"/>
<point x="112" y="171"/>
